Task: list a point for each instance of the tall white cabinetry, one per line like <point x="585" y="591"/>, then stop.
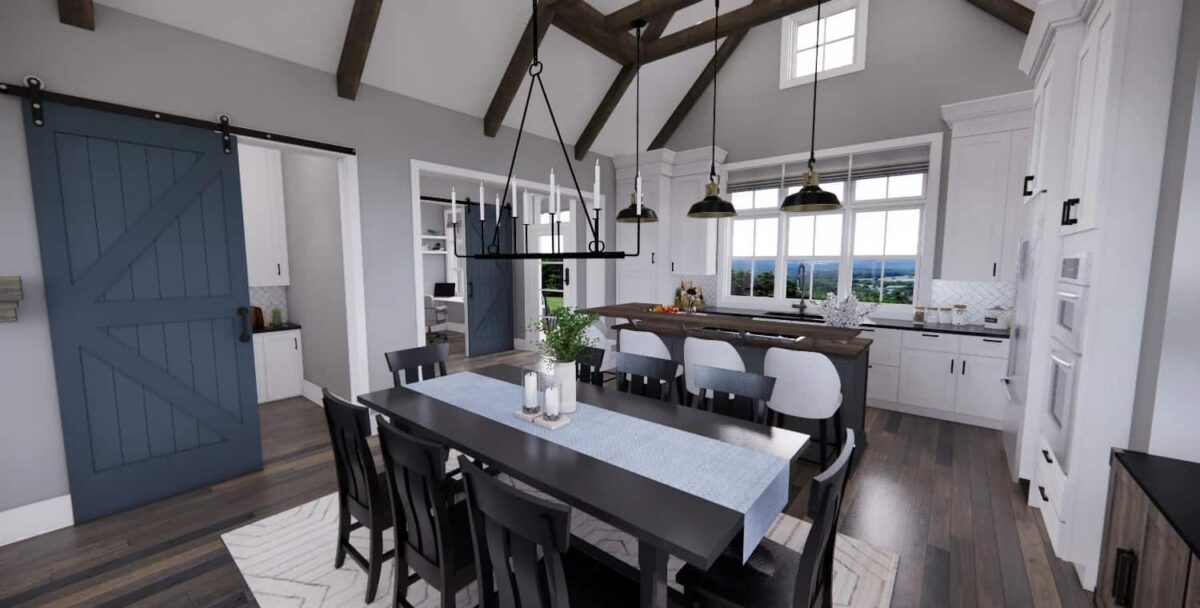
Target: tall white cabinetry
<point x="263" y="214"/>
<point x="989" y="152"/>
<point x="676" y="244"/>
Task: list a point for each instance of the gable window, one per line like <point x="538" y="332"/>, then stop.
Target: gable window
<point x="834" y="46"/>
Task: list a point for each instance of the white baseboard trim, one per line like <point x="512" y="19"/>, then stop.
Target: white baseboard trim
<point x="929" y="412"/>
<point x="310" y="391"/>
<point x="458" y="327"/>
<point x="36" y="518"/>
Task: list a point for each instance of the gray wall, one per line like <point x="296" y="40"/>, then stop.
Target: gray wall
<point x="317" y="293"/>
<point x="921" y="54"/>
<point x="1171" y="221"/>
<point x="139" y="62"/>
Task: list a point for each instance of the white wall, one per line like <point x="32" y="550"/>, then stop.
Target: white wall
<point x="317" y="293"/>
<point x="142" y="63"/>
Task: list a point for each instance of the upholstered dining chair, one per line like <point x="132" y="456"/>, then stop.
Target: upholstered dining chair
<point x="362" y="495"/>
<point x="776" y="576"/>
<point x="807" y="385"/>
<point x="732" y="391"/>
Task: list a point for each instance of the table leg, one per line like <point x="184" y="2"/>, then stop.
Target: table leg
<point x="652" y="562"/>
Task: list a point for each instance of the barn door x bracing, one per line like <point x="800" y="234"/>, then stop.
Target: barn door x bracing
<point x="143" y="252"/>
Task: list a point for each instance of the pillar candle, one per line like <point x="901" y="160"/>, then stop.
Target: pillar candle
<point x="512" y="195"/>
<point x="497" y="208"/>
<point x="596" y="187"/>
<point x="638" y="187"/>
<point x="552" y="402"/>
<point x="531" y="391"/>
<point x="528" y="210"/>
<point x="453" y="206"/>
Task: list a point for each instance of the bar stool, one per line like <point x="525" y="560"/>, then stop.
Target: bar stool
<point x="648" y="344"/>
<point x="807" y="385"/>
<point x="712" y="353"/>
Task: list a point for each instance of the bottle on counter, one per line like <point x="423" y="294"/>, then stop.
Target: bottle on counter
<point x="944" y="316"/>
<point x="918" y="315"/>
<point x="960" y="314"/>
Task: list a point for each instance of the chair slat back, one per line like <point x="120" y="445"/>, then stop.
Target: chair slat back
<point x="508" y="528"/>
<point x="731" y="391"/>
<point x="416" y="364"/>
<point x="349" y="427"/>
<point x="646" y="376"/>
<point x="824" y="508"/>
<point x="416" y="476"/>
<point x="587" y="365"/>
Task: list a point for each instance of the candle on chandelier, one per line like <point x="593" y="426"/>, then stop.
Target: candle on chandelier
<point x="453" y="206"/>
<point x="512" y="189"/>
<point x="497" y="208"/>
<point x="638" y="187"/>
<point x="550" y="203"/>
<point x="596" y="187"/>
<point x="525" y="203"/>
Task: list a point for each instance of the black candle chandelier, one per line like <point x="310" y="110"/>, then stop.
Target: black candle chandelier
<point x="492" y="248"/>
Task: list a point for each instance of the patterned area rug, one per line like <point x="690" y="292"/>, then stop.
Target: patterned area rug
<point x="287" y="561"/>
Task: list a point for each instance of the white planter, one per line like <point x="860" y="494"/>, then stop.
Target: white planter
<point x="564" y="371"/>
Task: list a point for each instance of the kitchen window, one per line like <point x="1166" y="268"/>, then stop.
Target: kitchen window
<point x="813" y="255"/>
<point x="754" y="248"/>
<point x="835" y="46"/>
<point x="886" y="249"/>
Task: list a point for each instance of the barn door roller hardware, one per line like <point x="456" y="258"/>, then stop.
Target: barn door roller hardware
<point x="34" y="89"/>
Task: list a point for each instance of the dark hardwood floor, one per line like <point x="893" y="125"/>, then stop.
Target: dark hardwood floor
<point x="935" y="492"/>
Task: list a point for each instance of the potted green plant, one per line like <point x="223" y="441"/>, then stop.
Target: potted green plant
<point x="564" y="336"/>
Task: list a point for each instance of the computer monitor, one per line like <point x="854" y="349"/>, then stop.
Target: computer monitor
<point x="443" y="290"/>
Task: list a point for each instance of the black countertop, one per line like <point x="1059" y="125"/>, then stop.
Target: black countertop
<point x="274" y="328"/>
<point x="883" y="322"/>
<point x="1173" y="486"/>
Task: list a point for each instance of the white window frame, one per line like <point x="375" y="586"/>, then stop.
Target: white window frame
<point x="786" y="234"/>
<point x="927" y="244"/>
<point x="727" y="257"/>
<point x="787" y="46"/>
<point x="897" y="204"/>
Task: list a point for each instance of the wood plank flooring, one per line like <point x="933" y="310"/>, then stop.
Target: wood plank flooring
<point x="935" y="492"/>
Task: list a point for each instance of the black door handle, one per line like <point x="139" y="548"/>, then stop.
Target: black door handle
<point x="1046" y="455"/>
<point x="470" y="289"/>
<point x="651" y="257"/>
<point x="1042" y="491"/>
<point x="1124" y="577"/>
<point x="1068" y="204"/>
<point x="566" y="276"/>
<point x="1026" y="189"/>
<point x="244" y="313"/>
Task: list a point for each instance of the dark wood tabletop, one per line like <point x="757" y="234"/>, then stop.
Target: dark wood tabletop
<point x="678" y="523"/>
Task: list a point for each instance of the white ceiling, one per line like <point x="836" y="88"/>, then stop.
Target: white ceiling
<point x="451" y="53"/>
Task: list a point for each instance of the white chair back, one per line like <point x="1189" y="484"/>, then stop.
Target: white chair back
<point x="713" y="353"/>
<point x="595" y="331"/>
<point x="807" y="384"/>
<point x="644" y="343"/>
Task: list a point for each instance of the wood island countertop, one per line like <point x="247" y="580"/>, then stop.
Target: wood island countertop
<point x="741" y="331"/>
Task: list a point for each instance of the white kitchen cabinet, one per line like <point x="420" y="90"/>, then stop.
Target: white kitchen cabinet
<point x="885" y="345"/>
<point x="927" y="379"/>
<point x="989" y="153"/>
<point x="979" y="387"/>
<point x="1085" y="147"/>
<point x="883" y="382"/>
<point x="693" y="241"/>
<point x="278" y="364"/>
<point x="263" y="214"/>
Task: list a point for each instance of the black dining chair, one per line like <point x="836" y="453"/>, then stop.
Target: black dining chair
<point x="523" y="556"/>
<point x="776" y="576"/>
<point x="415" y="364"/>
<point x="733" y="392"/>
<point x="434" y="535"/>
<point x="362" y="495"/>
<point x="587" y="365"/>
<point x="646" y="376"/>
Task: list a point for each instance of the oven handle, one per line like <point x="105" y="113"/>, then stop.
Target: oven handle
<point x="1068" y="295"/>
<point x="1061" y="361"/>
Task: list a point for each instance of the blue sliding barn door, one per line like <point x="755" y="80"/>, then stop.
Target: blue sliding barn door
<point x="489" y="287"/>
<point x="143" y="251"/>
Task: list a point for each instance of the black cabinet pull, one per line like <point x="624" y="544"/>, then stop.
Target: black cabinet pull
<point x="993" y="341"/>
<point x="964" y="367"/>
<point x="1042" y="491"/>
<point x="952" y="366"/>
<point x="930" y="335"/>
<point x="244" y="313"/>
<point x="295" y="344"/>
<point x="1046" y="455"/>
<point x="1069" y="204"/>
<point x="1124" y="577"/>
<point x="993" y="269"/>
<point x="651" y="257"/>
<point x="1027" y="190"/>
<point x="279" y="269"/>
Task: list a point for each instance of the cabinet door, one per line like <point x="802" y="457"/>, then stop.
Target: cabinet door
<point x="284" y="365"/>
<point x="927" y="379"/>
<point x="693" y="241"/>
<point x="1087" y="130"/>
<point x="885" y="345"/>
<point x="975" y="204"/>
<point x="1163" y="565"/>
<point x="265" y="221"/>
<point x="260" y="368"/>
<point x="883" y="383"/>
<point x="1124" y="531"/>
<point x="1014" y="206"/>
<point x="638" y="285"/>
<point x="980" y="388"/>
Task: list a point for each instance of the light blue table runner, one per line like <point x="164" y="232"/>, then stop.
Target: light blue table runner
<point x="744" y="480"/>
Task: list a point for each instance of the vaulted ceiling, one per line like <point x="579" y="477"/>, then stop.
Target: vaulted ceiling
<point x="452" y="53"/>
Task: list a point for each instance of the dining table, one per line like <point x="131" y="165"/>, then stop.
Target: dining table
<point x="682" y="481"/>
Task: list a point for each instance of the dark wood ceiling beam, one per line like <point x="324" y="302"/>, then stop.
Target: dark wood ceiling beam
<point x="615" y="92"/>
<point x="693" y="94"/>
<point x="1008" y="11"/>
<point x="359" y="33"/>
<point x="79" y="13"/>
<point x="587" y="25"/>
<point x="622" y="19"/>
<point x="739" y="20"/>
<point x="518" y="66"/>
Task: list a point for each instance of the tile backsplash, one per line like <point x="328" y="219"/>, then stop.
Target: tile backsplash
<point x="977" y="295"/>
<point x="706" y="282"/>
<point x="267" y="298"/>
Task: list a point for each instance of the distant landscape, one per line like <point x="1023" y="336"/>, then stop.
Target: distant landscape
<point x="872" y="280"/>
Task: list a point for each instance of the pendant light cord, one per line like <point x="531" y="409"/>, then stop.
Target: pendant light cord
<point x="812" y="145"/>
<point x="712" y="167"/>
<point x="637" y="107"/>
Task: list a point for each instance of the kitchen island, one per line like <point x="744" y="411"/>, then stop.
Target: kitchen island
<point x="752" y="337"/>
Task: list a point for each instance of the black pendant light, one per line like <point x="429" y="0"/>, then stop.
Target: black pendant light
<point x="712" y="205"/>
<point x="634" y="212"/>
<point x="811" y="197"/>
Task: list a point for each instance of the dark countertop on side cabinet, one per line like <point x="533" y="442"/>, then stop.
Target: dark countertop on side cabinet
<point x="1173" y="486"/>
<point x="881" y="322"/>
<point x="274" y="328"/>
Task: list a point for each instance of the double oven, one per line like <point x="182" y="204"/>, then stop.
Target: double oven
<point x="1066" y="346"/>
